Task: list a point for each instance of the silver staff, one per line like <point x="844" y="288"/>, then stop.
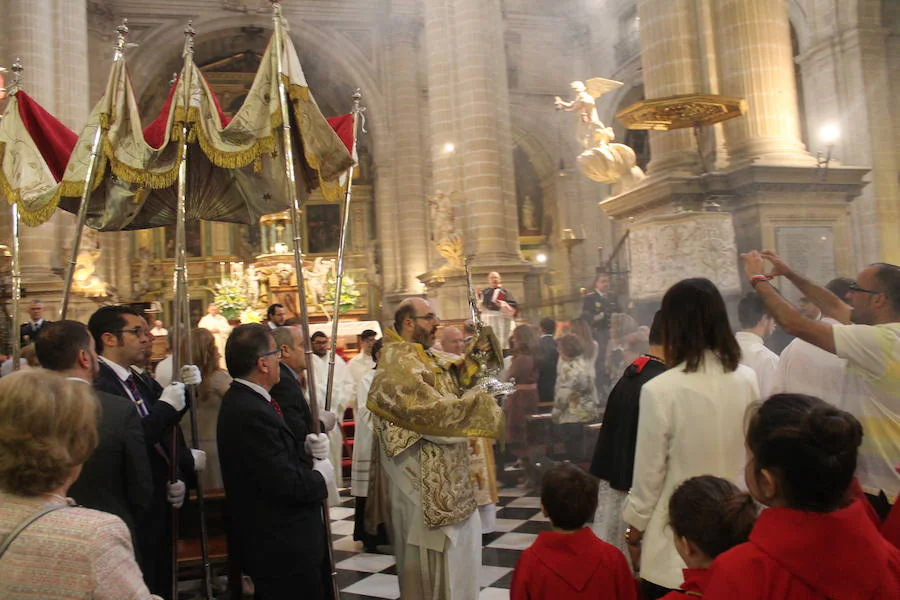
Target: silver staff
<point x="358" y="123"/>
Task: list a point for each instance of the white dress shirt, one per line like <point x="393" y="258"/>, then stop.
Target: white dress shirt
<point x="122" y="373"/>
<point x="807" y="369"/>
<point x="763" y="361"/>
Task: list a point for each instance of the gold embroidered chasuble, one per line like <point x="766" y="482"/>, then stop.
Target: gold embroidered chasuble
<point x="418" y="393"/>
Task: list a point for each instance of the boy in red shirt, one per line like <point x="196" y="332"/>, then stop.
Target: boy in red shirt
<point x="570" y="561"/>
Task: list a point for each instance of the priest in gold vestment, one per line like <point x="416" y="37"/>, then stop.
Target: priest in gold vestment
<point x="423" y="418"/>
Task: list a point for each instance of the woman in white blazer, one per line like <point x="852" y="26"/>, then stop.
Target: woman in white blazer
<point x="691" y="423"/>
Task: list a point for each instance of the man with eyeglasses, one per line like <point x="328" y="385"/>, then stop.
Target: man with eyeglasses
<point x="868" y="337"/>
<point x="122" y="339"/>
<point x="423" y="415"/>
<point x="273" y="493"/>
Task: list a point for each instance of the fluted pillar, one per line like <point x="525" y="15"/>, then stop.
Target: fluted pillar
<point x="756" y="62"/>
<point x="406" y="137"/>
<point x="670" y="57"/>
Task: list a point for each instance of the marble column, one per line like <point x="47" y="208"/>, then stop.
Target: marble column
<point x="755" y="61"/>
<point x="670" y="57"/>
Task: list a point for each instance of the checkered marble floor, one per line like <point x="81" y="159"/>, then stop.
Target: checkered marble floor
<point x="363" y="576"/>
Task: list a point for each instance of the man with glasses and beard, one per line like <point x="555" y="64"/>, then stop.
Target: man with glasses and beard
<point x="868" y="337"/>
<point x="422" y="417"/>
<point x="123" y="340"/>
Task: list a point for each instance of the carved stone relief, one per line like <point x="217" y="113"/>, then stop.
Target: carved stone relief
<point x="670" y="248"/>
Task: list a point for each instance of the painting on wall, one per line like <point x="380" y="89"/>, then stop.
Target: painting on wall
<point x="323" y="228"/>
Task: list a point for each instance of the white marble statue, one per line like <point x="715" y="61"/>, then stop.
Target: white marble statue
<point x="602" y="159"/>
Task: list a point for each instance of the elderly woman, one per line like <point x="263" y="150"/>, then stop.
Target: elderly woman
<point x="50" y="547"/>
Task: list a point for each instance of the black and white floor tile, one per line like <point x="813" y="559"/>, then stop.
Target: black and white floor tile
<point x="363" y="576"/>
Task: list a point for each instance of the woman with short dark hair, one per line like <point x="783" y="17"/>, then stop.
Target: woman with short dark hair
<point x="690" y="423"/>
<point x="48" y="428"/>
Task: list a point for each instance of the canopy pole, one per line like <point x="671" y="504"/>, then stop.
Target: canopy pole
<point x="121" y="35"/>
<point x="357" y="115"/>
<point x="16" y="278"/>
<point x="15" y="339"/>
<point x="298" y="263"/>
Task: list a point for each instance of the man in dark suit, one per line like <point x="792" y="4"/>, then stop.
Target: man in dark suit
<point x="116" y="478"/>
<point x="123" y="340"/>
<point x="288" y="392"/>
<point x="597" y="308"/>
<point x="273" y="496"/>
<point x="29" y="331"/>
<point x="549" y="357"/>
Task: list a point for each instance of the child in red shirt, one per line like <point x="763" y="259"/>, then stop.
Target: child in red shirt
<point x="570" y="561"/>
<point x="708" y="515"/>
<point x="815" y="541"/>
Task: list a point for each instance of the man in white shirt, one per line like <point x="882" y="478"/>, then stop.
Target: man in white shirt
<point x="363" y="362"/>
<point x="869" y="339"/>
<point x="217" y="325"/>
<point x="756" y="327"/>
<point x="341" y="397"/>
<point x="807" y="369"/>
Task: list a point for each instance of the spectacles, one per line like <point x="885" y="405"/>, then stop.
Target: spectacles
<point x="277" y="352"/>
<point x="426" y="317"/>
<point x="855" y="288"/>
<point x="138" y="332"/>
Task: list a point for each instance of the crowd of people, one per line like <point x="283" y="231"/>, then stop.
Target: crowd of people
<point x="721" y="469"/>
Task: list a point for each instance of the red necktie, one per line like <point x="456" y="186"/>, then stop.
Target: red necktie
<point x="277" y="408"/>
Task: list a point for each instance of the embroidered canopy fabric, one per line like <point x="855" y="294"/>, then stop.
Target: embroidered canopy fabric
<point x="235" y="169"/>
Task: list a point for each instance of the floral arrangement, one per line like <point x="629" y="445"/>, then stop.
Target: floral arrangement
<point x="349" y="292"/>
<point x="251" y="315"/>
<point x="231" y="298"/>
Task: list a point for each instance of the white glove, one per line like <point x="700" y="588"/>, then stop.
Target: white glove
<point x="190" y="375"/>
<point x="199" y="459"/>
<point x="317" y="446"/>
<point x="325" y="470"/>
<point x="176" y="492"/>
<point x="173" y="395"/>
<point x="328" y="419"/>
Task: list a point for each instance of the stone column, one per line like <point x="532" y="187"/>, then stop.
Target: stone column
<point x="484" y="147"/>
<point x="671" y="63"/>
<point x="411" y="213"/>
<point x="27" y="26"/>
<point x="756" y="63"/>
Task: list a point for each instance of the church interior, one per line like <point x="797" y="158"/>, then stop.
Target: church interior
<point x="548" y="142"/>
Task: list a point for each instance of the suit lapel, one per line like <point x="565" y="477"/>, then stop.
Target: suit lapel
<point x="267" y="406"/>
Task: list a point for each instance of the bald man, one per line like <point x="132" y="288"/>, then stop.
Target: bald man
<point x="498" y="309"/>
<point x="452" y="340"/>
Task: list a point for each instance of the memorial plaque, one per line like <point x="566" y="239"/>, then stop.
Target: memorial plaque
<point x="808" y="250"/>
